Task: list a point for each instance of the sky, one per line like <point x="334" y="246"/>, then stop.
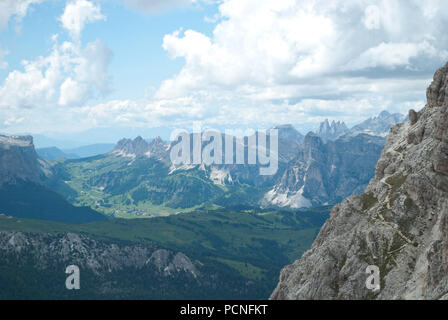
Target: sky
<point x="117" y="67"/>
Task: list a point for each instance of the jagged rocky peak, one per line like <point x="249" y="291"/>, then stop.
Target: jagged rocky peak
<point x="158" y="148"/>
<point x="331" y="131"/>
<point x="19" y="160"/>
<point x="437" y="93"/>
<point x="379" y="125"/>
<point x="132" y="148"/>
<point x="139" y="147"/>
<point x="157" y="143"/>
<point x="399" y="224"/>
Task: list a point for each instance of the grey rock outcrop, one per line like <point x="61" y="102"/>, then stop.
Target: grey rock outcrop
<point x="19" y="160"/>
<point x="399" y="224"/>
<point x="326" y="173"/>
<point x="158" y="149"/>
<point x="131" y="148"/>
<point x="168" y="262"/>
<point x="139" y="147"/>
<point x="413" y="117"/>
<point x="97" y="256"/>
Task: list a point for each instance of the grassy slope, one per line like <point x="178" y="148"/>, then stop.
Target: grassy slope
<point x="129" y="188"/>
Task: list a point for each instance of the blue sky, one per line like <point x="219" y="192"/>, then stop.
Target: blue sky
<point x="71" y="67"/>
<point x="134" y="37"/>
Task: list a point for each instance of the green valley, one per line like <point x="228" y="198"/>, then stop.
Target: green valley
<point x="142" y="187"/>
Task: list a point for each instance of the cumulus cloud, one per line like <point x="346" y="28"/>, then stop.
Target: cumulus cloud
<point x="78" y="13"/>
<point x="391" y="55"/>
<point x="17" y="8"/>
<point x="266" y="62"/>
<point x="362" y="55"/>
<point x="69" y="76"/>
<point x="265" y="43"/>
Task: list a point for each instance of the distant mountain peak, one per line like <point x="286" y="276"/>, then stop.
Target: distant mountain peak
<point x="131" y="148"/>
<point x="157" y="140"/>
<point x="384" y="114"/>
<point x="331" y="130"/>
<point x="289" y="132"/>
<point x="139" y="147"/>
<point x="379" y="125"/>
<point x="158" y="148"/>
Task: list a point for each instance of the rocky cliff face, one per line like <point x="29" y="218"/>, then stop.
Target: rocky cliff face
<point x="33" y="267"/>
<point x="326" y="173"/>
<point x="400" y="223"/>
<point x="47" y="250"/>
<point x="34" y="264"/>
<point x="19" y="160"/>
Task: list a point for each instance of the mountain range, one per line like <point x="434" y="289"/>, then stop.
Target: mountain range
<point x="137" y="178"/>
<point x="217" y="231"/>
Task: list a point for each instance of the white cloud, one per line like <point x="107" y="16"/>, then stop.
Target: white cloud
<point x="71" y="91"/>
<point x="77" y="14"/>
<point x="17" y="8"/>
<point x="266" y="62"/>
<point x="13" y="121"/>
<point x="262" y="44"/>
<point x="392" y="55"/>
<point x="301" y="60"/>
<point x="69" y="76"/>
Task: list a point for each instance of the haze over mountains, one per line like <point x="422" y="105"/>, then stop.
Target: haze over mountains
<point x="50" y="148"/>
<point x="136" y="177"/>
